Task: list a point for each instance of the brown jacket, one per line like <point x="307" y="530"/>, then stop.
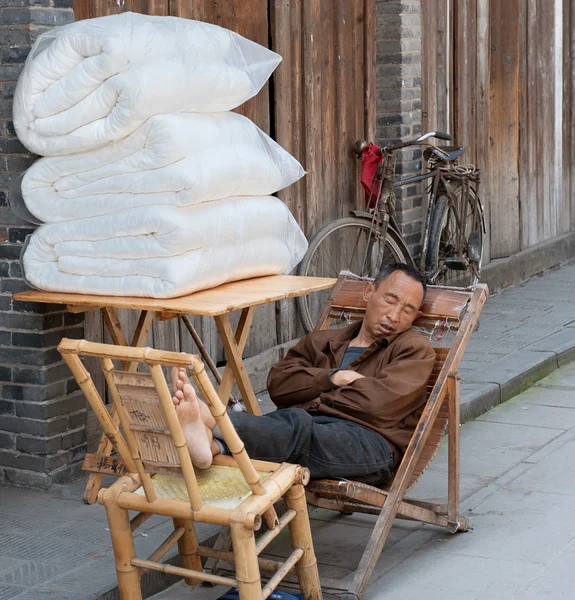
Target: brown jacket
<point x="389" y="398"/>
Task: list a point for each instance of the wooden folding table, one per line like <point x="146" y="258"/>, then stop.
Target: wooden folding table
<point x="217" y="302"/>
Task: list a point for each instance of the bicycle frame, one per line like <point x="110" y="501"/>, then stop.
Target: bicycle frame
<point x="386" y="183"/>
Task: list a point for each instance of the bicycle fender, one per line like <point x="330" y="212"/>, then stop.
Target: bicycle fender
<point x="362" y="214"/>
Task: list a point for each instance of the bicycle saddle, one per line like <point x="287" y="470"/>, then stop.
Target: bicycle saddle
<point x="449" y="153"/>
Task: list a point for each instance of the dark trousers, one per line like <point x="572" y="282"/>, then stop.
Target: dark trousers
<point x="329" y="447"/>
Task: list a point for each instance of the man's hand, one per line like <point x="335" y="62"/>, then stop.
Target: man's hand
<point x="344" y="377"/>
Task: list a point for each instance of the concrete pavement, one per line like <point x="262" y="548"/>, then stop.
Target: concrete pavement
<point x="53" y="547"/>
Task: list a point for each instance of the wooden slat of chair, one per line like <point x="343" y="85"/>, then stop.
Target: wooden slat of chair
<point x="457" y="309"/>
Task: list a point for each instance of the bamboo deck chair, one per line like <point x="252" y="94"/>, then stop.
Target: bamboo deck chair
<point x="235" y="492"/>
<point x="453" y="314"/>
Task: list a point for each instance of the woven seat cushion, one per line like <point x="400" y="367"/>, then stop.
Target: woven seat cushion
<point x="224" y="487"/>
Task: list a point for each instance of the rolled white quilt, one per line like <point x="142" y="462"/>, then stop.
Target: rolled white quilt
<point x="162" y="252"/>
<point x="176" y="159"/>
<point x="95" y="81"/>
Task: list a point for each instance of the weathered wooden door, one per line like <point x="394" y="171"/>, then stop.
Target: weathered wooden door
<point x="500" y="76"/>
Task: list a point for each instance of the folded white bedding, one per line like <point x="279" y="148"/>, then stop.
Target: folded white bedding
<point x="177" y="159"/>
<point x="91" y="82"/>
<point x="162" y="252"/>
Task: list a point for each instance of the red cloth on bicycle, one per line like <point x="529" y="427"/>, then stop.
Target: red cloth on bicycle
<point x="370" y="157"/>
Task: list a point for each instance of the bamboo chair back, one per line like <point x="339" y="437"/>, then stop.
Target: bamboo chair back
<point x="442" y="313"/>
<point x="152" y="438"/>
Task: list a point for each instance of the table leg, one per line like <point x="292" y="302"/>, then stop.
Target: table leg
<point x="142" y="328"/>
<point x="234" y="343"/>
<point x="119" y="338"/>
<point x="203" y="350"/>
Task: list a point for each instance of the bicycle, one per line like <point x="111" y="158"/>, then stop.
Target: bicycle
<point x="452" y="245"/>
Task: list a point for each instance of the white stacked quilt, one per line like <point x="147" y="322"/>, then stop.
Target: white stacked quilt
<point x="166" y="251"/>
<point x="95" y="81"/>
<point x="178" y="160"/>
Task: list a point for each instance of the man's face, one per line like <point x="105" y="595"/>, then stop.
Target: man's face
<point x="393" y="306"/>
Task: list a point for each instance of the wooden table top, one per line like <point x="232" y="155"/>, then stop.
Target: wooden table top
<point x="215" y="301"/>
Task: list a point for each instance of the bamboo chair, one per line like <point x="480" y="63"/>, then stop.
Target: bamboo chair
<point x="235" y="492"/>
<point x="446" y="311"/>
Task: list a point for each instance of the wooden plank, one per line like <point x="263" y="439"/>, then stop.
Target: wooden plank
<point x="94" y="331"/>
<point x="104" y="465"/>
<point x="369" y="33"/>
<point x="312" y="108"/>
<point x="84" y="9"/>
<point x="568" y="112"/>
<point x="559" y="208"/>
<point x="528" y="171"/>
<point x="502" y="168"/>
<point x="545" y="129"/>
<point x="481" y="97"/>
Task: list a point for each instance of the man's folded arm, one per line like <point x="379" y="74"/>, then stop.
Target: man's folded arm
<point x="294" y="380"/>
<point x="398" y="389"/>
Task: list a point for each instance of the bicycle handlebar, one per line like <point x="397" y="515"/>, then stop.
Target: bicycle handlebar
<point x="438" y="134"/>
<point x="360" y="145"/>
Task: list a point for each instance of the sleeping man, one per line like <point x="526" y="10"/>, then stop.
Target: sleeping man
<point x="348" y="399"/>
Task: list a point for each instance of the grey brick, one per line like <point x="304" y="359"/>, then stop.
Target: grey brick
<point x="14" y="55"/>
<point x="11" y="146"/>
<point x="12" y="286"/>
<point x="50" y="16"/>
<point x="16" y="320"/>
<point x="73" y="439"/>
<point x="8" y="89"/>
<point x="18" y="163"/>
<point x="12" y="424"/>
<point x="10" y="251"/>
<point x="30" y="395"/>
<point x="51" y="408"/>
<point x="7" y="407"/>
<point x="398" y="7"/>
<point x="77" y="419"/>
<point x="13" y="36"/>
<point x="28" y="462"/>
<point x="7" y="440"/>
<point x="40" y="376"/>
<point x="14" y="16"/>
<point x="48" y="339"/>
<point x="27" y="479"/>
<point x="39" y="444"/>
<point x="29" y="357"/>
<point x="15" y="269"/>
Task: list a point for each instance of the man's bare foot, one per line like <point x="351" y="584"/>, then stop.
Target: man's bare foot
<point x="198" y="436"/>
<point x="179" y="380"/>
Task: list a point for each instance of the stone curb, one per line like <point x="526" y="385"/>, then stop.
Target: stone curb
<point x="520" y="370"/>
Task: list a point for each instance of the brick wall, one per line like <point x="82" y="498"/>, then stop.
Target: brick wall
<point x="398" y="101"/>
<point x="42" y="413"/>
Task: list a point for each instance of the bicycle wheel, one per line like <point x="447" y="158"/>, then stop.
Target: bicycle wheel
<point x="455" y="246"/>
<point x="346" y="244"/>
